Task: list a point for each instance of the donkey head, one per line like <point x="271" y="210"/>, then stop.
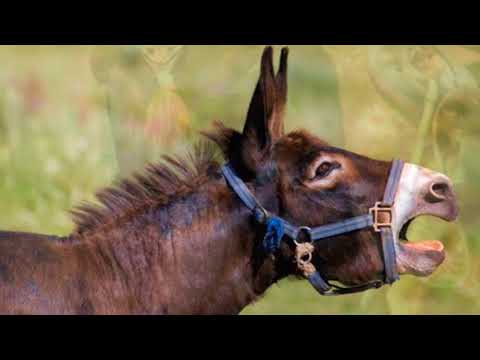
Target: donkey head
<point x="308" y="182"/>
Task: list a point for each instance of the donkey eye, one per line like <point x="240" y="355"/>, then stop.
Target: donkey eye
<point x="325" y="169"/>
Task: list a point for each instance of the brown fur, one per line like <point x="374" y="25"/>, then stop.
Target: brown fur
<point x="177" y="240"/>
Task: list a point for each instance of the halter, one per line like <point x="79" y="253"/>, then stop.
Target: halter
<point x="380" y="217"/>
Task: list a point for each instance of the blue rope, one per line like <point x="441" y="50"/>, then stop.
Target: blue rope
<point x="273" y="236"/>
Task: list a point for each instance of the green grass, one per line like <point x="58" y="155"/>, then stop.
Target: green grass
<point x="59" y="142"/>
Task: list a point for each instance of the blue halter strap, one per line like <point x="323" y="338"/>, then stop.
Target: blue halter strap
<point x="379" y="217"/>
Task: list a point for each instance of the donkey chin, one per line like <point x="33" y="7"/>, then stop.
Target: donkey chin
<point x="421" y="192"/>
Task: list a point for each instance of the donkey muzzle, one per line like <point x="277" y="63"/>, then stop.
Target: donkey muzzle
<point x="421" y="192"/>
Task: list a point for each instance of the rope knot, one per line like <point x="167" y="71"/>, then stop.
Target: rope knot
<point x="303" y="257"/>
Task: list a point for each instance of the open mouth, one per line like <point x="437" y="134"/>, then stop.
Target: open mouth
<point x="421" y="192"/>
<point x="419" y="258"/>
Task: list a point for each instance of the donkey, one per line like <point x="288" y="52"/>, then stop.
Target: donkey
<point x="180" y="238"/>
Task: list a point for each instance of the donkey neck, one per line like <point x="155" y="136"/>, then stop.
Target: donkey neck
<point x="199" y="254"/>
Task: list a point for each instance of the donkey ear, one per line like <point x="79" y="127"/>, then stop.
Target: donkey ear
<point x="282" y="93"/>
<point x="264" y="124"/>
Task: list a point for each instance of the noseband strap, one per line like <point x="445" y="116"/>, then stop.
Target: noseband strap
<point x="278" y="228"/>
<point x="388" y="242"/>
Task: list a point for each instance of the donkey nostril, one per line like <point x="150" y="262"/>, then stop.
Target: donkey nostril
<point x="439" y="190"/>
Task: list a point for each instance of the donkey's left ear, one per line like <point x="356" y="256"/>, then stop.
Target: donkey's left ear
<point x="264" y="124"/>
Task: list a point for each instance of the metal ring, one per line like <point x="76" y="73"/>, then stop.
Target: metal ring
<point x="307" y="230"/>
<point x="309" y="260"/>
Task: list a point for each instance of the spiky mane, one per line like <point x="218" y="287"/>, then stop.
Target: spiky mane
<point x="158" y="185"/>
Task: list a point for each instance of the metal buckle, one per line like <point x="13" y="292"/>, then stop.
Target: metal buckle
<point x="378" y="209"/>
<point x="305" y="229"/>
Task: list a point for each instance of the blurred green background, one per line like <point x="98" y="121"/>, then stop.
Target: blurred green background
<point x="75" y="118"/>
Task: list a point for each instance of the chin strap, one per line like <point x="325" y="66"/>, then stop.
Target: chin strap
<point x="379" y="217"/>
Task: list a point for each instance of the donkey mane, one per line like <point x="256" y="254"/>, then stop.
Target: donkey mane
<point x="159" y="184"/>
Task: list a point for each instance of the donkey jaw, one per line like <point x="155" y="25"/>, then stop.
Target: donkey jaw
<point x="421" y="192"/>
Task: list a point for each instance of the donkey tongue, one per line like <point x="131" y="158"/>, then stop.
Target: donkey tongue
<point x="420" y="258"/>
<point x="425" y="245"/>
